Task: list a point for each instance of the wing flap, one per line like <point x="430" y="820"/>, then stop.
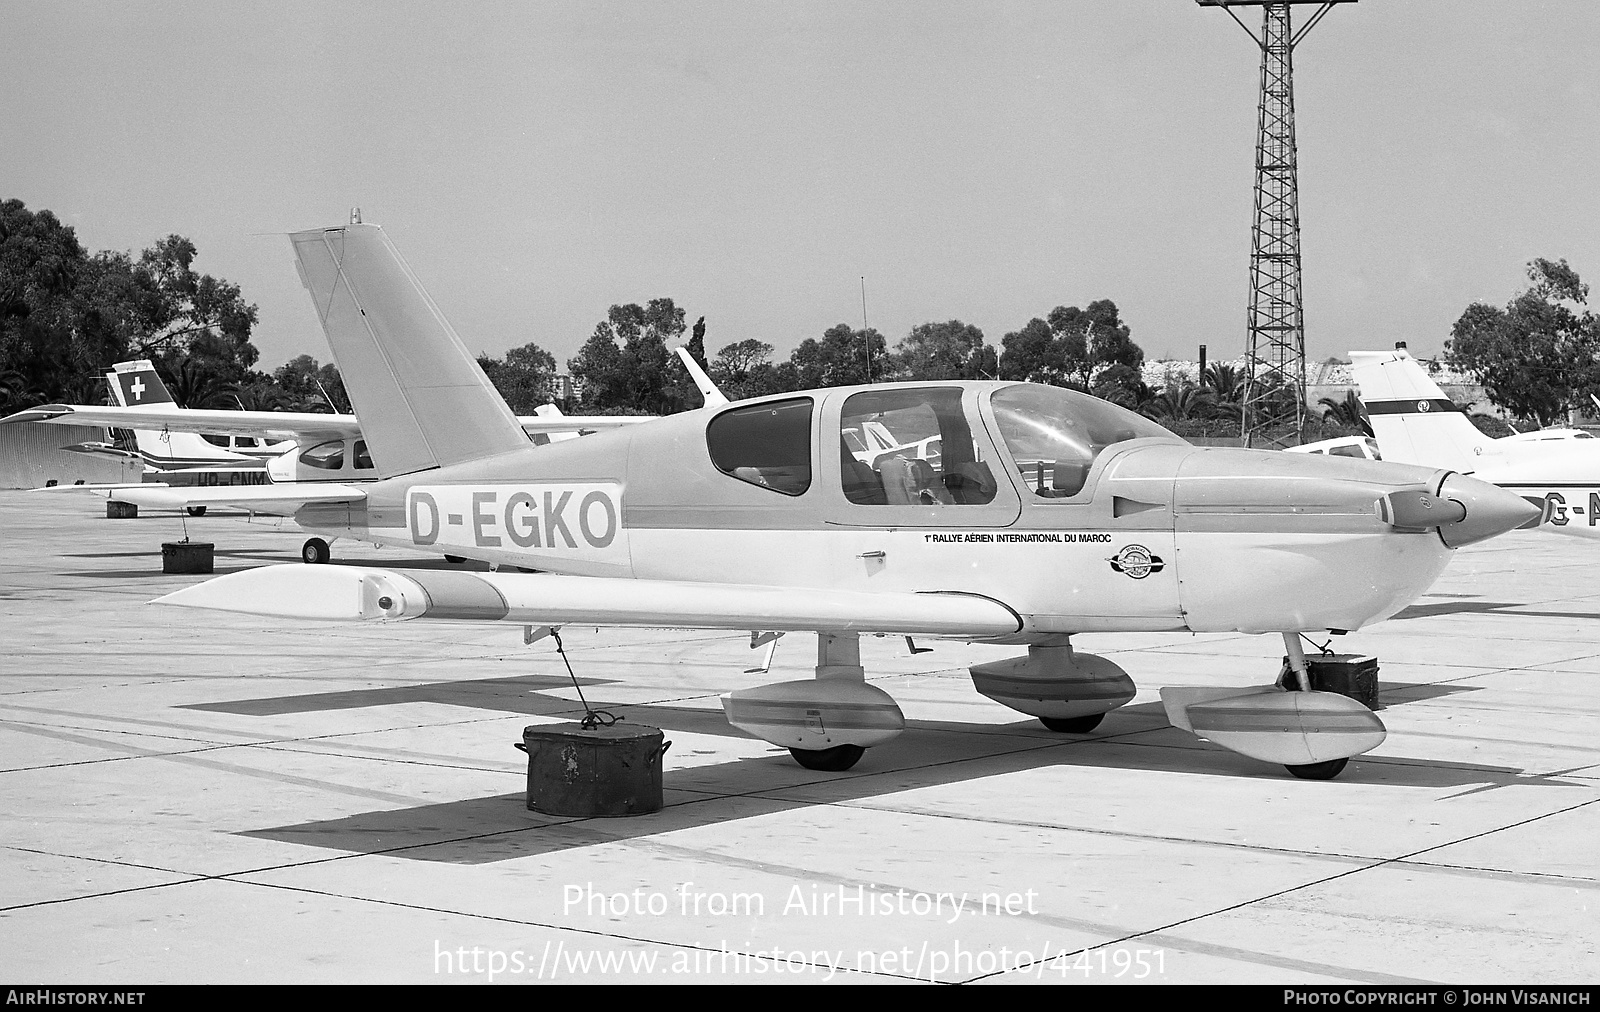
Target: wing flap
<point x="352" y="593"/>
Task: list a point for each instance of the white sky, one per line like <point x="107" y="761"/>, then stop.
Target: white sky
<point x="538" y="162"/>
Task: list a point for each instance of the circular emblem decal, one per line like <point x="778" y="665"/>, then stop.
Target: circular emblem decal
<point x="1424" y="406"/>
<point x="1137" y="562"/>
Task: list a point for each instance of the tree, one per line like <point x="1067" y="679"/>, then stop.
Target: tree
<point x="842" y="358"/>
<point x="1122" y="385"/>
<point x="524" y="377"/>
<point x="66" y="315"/>
<point x="1180" y="401"/>
<point x="311" y="387"/>
<point x="952" y="350"/>
<point x="1070" y="347"/>
<point x="743" y="369"/>
<point x="1347" y="414"/>
<point x="1540" y="356"/>
<point x="633" y="375"/>
<point x="40" y="261"/>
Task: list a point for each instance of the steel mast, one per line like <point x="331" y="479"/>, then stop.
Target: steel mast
<point x="1274" y="409"/>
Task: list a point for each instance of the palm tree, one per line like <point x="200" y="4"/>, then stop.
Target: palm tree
<point x="1347" y="414"/>
<point x="1180" y="401"/>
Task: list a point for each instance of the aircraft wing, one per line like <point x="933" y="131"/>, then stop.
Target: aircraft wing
<point x="302" y="426"/>
<point x="282" y="498"/>
<point x="354" y="593"/>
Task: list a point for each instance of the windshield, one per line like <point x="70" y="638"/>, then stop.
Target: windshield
<point x="1054" y="435"/>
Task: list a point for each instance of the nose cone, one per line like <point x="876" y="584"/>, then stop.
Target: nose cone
<point x="1491" y="510"/>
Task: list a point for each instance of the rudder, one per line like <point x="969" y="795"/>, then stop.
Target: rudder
<point x="1412" y="419"/>
<point x="422" y="398"/>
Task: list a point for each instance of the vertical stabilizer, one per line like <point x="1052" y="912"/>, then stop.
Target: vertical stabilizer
<point x="422" y="399"/>
<point x="1414" y="422"/>
<point x="136" y="384"/>
<point x="714" y="398"/>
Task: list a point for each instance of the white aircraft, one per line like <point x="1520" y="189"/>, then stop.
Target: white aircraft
<point x="141" y="435"/>
<point x="1361" y="447"/>
<point x="1415" y="423"/>
<point x="278" y="461"/>
<point x="755" y="516"/>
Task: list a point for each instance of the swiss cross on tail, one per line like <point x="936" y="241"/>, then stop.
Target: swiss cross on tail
<point x="141" y="386"/>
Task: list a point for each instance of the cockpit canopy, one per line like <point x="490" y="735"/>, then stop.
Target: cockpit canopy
<point x="1054" y="435"/>
<point x="909" y="445"/>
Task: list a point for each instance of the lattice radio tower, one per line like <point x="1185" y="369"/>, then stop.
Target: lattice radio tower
<point x="1275" y="365"/>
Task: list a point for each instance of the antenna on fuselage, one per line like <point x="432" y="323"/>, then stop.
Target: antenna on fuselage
<point x="866" y="338"/>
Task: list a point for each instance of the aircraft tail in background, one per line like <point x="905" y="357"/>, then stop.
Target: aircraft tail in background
<point x="422" y="399"/>
<point x="714" y="398"/>
<point x="1414" y="422"/>
<point x="136" y="385"/>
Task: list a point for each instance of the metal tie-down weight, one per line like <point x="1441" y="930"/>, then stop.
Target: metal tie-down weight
<point x="602" y="771"/>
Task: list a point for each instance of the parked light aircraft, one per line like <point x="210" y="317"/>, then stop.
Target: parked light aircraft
<point x="312" y="457"/>
<point x="1415" y="423"/>
<point x="144" y="398"/>
<point x="1049" y="514"/>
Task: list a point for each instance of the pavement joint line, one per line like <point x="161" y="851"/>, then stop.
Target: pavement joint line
<point x="1400" y="859"/>
<point x="232" y="879"/>
<point x="499" y="918"/>
<point x="1484" y="871"/>
<point x="226" y="767"/>
<point x="1065" y="923"/>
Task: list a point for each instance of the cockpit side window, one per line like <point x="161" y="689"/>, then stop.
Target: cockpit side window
<point x="765" y="444"/>
<point x="911" y="447"/>
<point x="1054" y="435"/>
<point x="363" y="456"/>
<point x="329" y="456"/>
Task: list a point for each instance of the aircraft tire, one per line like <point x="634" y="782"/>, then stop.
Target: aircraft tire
<point x="315" y="552"/>
<point x="1073" y="725"/>
<point x="828" y="760"/>
<point x="195" y="511"/>
<point x="1319" y="771"/>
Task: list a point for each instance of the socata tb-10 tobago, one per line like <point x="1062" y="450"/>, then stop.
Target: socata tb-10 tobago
<point x="1003" y="513"/>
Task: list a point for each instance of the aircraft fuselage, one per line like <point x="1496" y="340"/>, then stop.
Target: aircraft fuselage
<point x="1148" y="533"/>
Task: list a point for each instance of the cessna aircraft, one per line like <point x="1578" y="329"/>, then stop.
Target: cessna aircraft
<point x="1415" y="423"/>
<point x="1048" y="513"/>
<point x="142" y="398"/>
<point x="277" y="461"/>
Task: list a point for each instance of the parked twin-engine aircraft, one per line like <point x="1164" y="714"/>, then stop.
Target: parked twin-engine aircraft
<point x="1046" y="513"/>
<point x="1415" y="423"/>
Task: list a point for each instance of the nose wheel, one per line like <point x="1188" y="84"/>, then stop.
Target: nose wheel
<point x="1073" y="725"/>
<point x="828" y="760"/>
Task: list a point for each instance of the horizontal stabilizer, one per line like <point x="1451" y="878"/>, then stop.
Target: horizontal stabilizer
<point x="351" y="593"/>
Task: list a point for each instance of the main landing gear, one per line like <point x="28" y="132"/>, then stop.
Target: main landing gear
<point x="828" y="722"/>
<point x="315" y="552"/>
